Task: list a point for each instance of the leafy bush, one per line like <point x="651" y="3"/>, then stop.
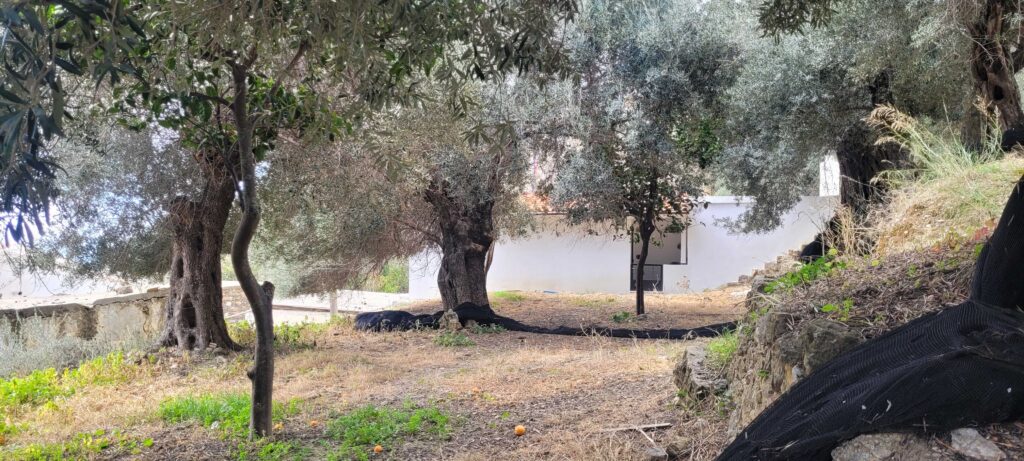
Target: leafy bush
<point x="44" y="386"/>
<point x="487" y="329"/>
<point x="360" y="430"/>
<point x="264" y="450"/>
<point x="111" y="369"/>
<point x="807" y="273"/>
<point x="453" y="339"/>
<point x="507" y="296"/>
<point x="83" y="446"/>
<point x="621" y="317"/>
<point x="229" y="411"/>
<point x="392" y="278"/>
<point x="37" y="388"/>
<point x="721" y="349"/>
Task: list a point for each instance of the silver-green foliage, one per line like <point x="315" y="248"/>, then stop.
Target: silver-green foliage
<point x="651" y="78"/>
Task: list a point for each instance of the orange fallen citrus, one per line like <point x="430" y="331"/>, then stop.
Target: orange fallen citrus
<point x="378" y="449"/>
<point x="520" y="430"/>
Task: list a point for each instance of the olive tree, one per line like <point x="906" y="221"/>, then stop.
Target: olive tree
<point x="418" y="177"/>
<point x="349" y="58"/>
<point x="651" y="77"/>
<point x="801" y="96"/>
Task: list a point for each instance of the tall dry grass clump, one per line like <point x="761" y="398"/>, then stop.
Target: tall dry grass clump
<point x="949" y="193"/>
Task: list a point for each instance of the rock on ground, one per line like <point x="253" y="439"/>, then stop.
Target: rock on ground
<point x="695" y="377"/>
<point x="968" y="442"/>
<point x="889" y="447"/>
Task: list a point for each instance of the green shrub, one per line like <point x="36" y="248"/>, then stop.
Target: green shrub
<point x="242" y="332"/>
<point x="487" y="329"/>
<point x="37" y="388"/>
<point x="507" y="296"/>
<point x="807" y="273"/>
<point x="392" y="278"/>
<point x="453" y="339"/>
<point x="358" y="431"/>
<point x="229" y="411"/>
<point x="111" y="369"/>
<point x="622" y="317"/>
<point x="264" y="450"/>
<point x="721" y="349"/>
<point x="82" y="446"/>
<point x="44" y="386"/>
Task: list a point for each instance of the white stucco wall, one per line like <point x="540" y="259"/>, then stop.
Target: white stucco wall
<point x="557" y="257"/>
<point x="717" y="256"/>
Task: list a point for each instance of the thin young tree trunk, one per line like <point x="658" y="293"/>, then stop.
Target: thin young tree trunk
<point x="260" y="298"/>
<point x="646" y="230"/>
<point x="993" y="65"/>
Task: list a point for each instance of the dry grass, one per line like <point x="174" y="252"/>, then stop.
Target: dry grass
<point x="565" y="390"/>
<point x="885" y="292"/>
<point x="596" y="310"/>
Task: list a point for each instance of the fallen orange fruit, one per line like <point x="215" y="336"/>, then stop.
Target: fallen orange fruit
<point x="378" y="449"/>
<point x="520" y="430"/>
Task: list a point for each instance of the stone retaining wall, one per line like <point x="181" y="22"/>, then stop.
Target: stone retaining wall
<point x="135" y="317"/>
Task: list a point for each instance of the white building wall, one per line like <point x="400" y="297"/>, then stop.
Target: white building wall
<point x="561" y="258"/>
<point x="556" y="257"/>
<point x="717" y="256"/>
<point x="829" y="176"/>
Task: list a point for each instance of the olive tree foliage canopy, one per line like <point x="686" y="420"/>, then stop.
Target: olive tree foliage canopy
<point x="647" y="103"/>
<point x="801" y="96"/>
<point x="175" y="46"/>
<point x="651" y="77"/>
<point x="116" y="187"/>
<point x="42" y="44"/>
<point x="230" y="63"/>
<point x="338" y="215"/>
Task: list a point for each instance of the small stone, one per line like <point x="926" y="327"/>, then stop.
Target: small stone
<point x="471" y="324"/>
<point x="449" y="321"/>
<point x="215" y="425"/>
<point x="968" y="442"/>
<point x="874" y="447"/>
<point x="656" y="454"/>
<point x="823" y="340"/>
<point x="123" y="290"/>
<point x="695" y="377"/>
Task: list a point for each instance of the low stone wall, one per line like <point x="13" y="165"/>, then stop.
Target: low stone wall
<point x="135" y="317"/>
<point x="233" y="300"/>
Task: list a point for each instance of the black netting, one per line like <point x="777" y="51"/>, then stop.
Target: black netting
<point x="959" y="367"/>
<point x="400" y="320"/>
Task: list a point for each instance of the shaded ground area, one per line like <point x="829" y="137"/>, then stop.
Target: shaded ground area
<point x="564" y="390"/>
<point x="611" y="311"/>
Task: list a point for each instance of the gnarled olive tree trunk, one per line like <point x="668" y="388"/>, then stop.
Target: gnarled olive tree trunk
<point x="467" y="234"/>
<point x="195" y="313"/>
<point x="993" y="63"/>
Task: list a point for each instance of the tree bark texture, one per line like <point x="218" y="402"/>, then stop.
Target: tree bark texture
<point x="195" y="313"/>
<point x="259" y="297"/>
<point x="993" y="63"/>
<point x="467" y="234"/>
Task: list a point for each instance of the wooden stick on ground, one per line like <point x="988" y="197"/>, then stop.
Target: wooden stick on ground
<point x="639" y="428"/>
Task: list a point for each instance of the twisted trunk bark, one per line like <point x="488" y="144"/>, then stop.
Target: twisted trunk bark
<point x="259" y="297"/>
<point x="195" y="313"/>
<point x="467" y="234"/>
<point x="993" y="65"/>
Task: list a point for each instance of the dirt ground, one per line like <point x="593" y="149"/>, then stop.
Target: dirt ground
<point x="567" y="391"/>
